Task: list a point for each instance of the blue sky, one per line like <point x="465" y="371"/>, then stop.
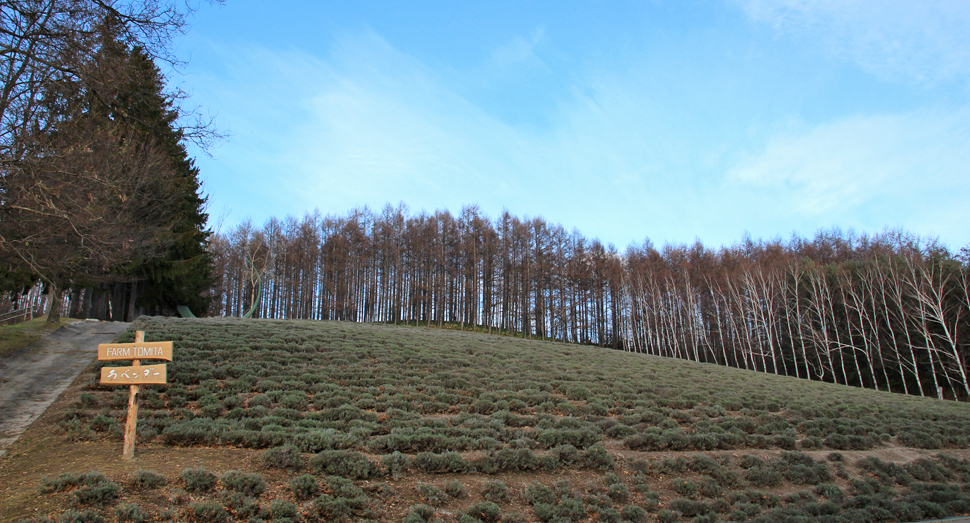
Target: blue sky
<point x="672" y="121"/>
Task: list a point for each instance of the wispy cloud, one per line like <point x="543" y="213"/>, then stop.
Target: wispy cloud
<point x="518" y="49"/>
<point x="365" y="125"/>
<point x="901" y="40"/>
<point x="863" y="169"/>
<point x="626" y="152"/>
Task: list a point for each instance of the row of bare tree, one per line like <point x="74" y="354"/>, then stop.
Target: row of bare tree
<point x="885" y="312"/>
<point x="888" y="312"/>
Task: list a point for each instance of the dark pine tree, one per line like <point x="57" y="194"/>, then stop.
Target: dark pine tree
<point x="183" y="275"/>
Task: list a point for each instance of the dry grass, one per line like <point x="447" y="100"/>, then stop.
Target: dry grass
<point x="24" y="334"/>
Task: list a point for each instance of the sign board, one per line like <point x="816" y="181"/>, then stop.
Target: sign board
<point x="134" y="375"/>
<point x="155" y="350"/>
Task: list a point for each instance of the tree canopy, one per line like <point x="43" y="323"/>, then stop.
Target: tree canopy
<point x="97" y="186"/>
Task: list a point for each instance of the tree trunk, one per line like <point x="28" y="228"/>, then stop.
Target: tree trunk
<point x="118" y="302"/>
<point x="75" y="310"/>
<point x="54" y="309"/>
<point x="131" y="302"/>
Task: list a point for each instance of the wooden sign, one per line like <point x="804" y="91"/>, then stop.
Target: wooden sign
<point x="134" y="375"/>
<point x="155" y="350"/>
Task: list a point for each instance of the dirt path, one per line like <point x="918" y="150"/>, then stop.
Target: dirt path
<point x="31" y="378"/>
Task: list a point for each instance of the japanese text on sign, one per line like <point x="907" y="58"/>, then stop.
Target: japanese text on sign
<point x="134" y="375"/>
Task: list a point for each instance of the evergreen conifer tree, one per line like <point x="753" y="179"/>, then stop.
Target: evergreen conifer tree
<point x="183" y="274"/>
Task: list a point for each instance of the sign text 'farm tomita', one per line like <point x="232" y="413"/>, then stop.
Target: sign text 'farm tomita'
<point x="135" y="375"/>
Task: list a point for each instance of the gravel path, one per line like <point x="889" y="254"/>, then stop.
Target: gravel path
<point x="31" y="378"/>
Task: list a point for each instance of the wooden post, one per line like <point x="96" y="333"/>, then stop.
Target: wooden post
<point x="132" y="423"/>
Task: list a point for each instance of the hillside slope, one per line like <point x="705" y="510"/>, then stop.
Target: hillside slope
<point x="366" y="421"/>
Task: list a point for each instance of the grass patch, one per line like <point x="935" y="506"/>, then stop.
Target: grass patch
<point x="20" y="335"/>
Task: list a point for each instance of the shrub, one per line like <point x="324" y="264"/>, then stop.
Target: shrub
<point x="247" y="483"/>
<point x="704" y="441"/>
<point x="207" y="512"/>
<point x="343" y="487"/>
<point x="610" y="478"/>
<point x="783" y="441"/>
<point x="193" y="432"/>
<point x="212" y="410"/>
<point x="618" y="492"/>
<point x="495" y="491"/>
<point x="620" y="431"/>
<point x="68" y="480"/>
<point x="544" y="511"/>
<point x="304" y="487"/>
<point x="81" y="516"/>
<point x="485" y="511"/>
<point x="130" y="513"/>
<point x="810" y="442"/>
<point x="581" y="438"/>
<point x="294" y="400"/>
<point x="675" y="439"/>
<point x="260" y="400"/>
<point x="684" y="487"/>
<point x="830" y="491"/>
<point x="743" y="511"/>
<point x="239" y="504"/>
<point x="609" y="515"/>
<point x="708" y="487"/>
<point x="633" y="514"/>
<point x="597" y="457"/>
<point x="927" y="470"/>
<point x="257" y="439"/>
<point x="763" y="476"/>
<point x="919" y="439"/>
<point x="449" y="462"/>
<point x="801" y="469"/>
<point x="77" y="430"/>
<point x="644" y="441"/>
<point x="102" y="423"/>
<point x="570" y="509"/>
<point x="350" y="464"/>
<point x="99" y="494"/>
<point x="689" y="507"/>
<point x="317" y="440"/>
<point x="800" y="497"/>
<point x="333" y="508"/>
<point x="536" y="493"/>
<point x="279" y="508"/>
<point x="455" y="489"/>
<point x="287" y="457"/>
<point x="563" y="487"/>
<point x="430" y="494"/>
<point x="487" y="465"/>
<point x="419" y="514"/>
<point x="198" y="480"/>
<point x="395" y="463"/>
<point x="887" y="473"/>
<point x="179" y="497"/>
